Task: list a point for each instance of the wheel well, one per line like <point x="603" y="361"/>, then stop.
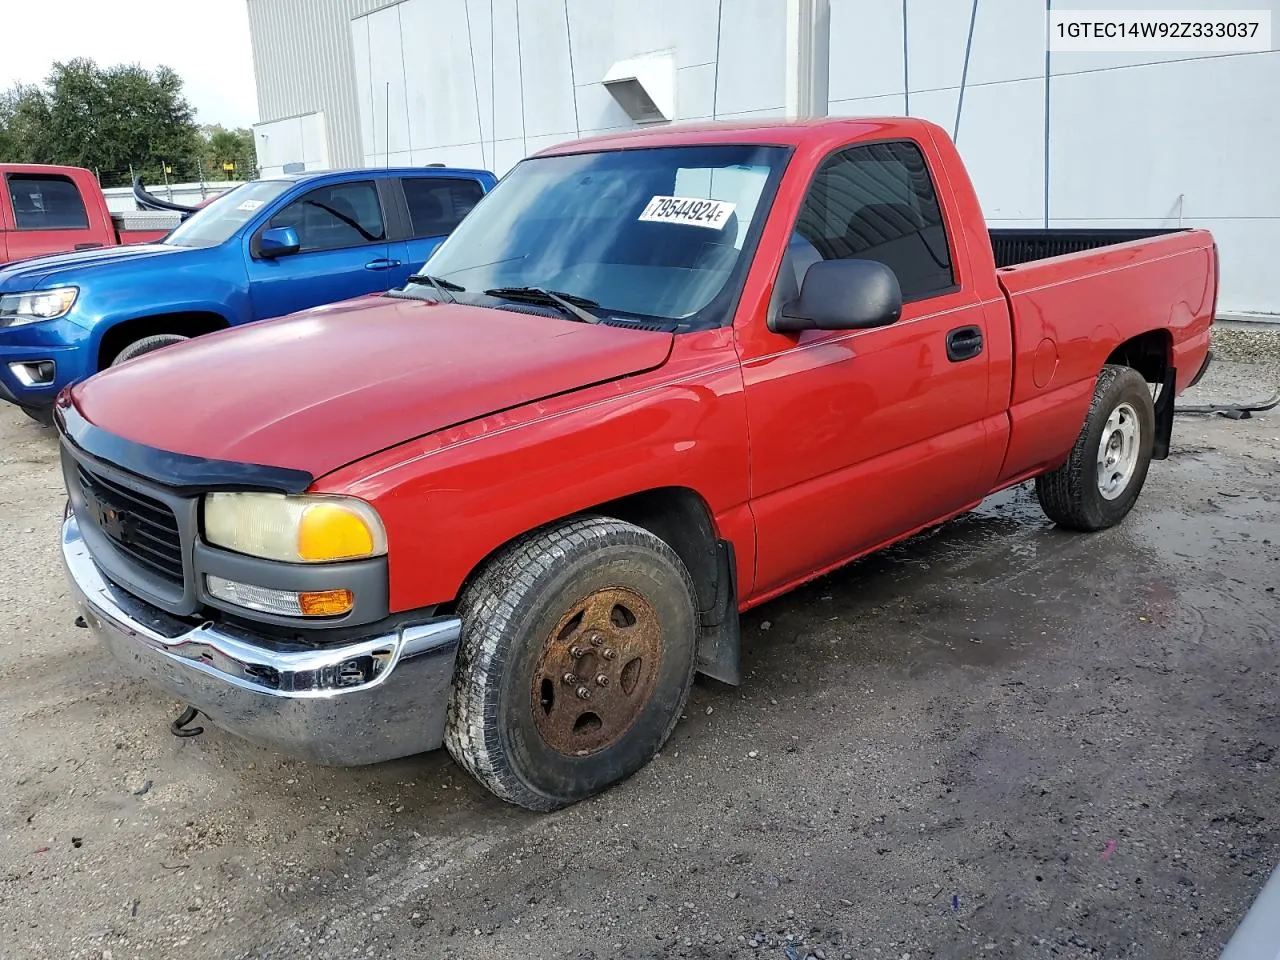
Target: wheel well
<point x="1149" y="353"/>
<point x="680" y="517"/>
<point x="676" y="515"/>
<point x="122" y="334"/>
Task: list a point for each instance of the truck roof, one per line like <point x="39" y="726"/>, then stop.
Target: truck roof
<point x="39" y="168"/>
<point x="794" y="133"/>
<point x="390" y="171"/>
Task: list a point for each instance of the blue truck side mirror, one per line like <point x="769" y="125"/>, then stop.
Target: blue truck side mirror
<point x="278" y="242"/>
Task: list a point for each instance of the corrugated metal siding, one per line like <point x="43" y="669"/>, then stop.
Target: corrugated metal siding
<point x="302" y="63"/>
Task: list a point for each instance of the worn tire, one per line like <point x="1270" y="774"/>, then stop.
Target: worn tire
<point x="512" y="608"/>
<point x="146" y="345"/>
<point x="1070" y="496"/>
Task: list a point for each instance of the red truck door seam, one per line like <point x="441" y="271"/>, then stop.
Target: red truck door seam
<point x="747" y="589"/>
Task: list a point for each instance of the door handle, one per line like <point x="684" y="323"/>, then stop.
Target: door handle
<point x="964" y="343"/>
<point x="382" y="263"/>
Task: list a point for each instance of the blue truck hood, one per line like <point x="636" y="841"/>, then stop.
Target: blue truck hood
<point x="67" y="267"/>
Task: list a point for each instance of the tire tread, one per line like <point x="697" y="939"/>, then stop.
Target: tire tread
<point x="490" y="607"/>
<point x="1062" y="492"/>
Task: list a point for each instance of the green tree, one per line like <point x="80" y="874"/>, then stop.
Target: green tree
<point x="235" y="147"/>
<point x="107" y="119"/>
<point x="24" y="122"/>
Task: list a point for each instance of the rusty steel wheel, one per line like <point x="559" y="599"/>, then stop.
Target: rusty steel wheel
<point x="577" y="654"/>
<point x="596" y="671"/>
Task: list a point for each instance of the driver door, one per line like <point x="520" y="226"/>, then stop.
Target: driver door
<point x="343" y="251"/>
<point x="859" y="436"/>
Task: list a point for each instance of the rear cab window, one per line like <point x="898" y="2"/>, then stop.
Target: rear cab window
<point x="876" y="201"/>
<point x="46" y="202"/>
<point x="438" y="204"/>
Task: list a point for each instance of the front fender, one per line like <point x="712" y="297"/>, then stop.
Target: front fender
<point x="449" y="500"/>
<point x="205" y="281"/>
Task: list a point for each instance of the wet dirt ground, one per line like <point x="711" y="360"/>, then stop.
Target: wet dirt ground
<point x="994" y="740"/>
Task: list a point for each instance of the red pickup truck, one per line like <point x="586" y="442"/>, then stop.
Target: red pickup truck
<point x="652" y="380"/>
<point x="48" y="209"/>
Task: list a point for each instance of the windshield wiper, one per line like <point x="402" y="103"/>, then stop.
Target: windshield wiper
<point x="570" y="303"/>
<point x="444" y="288"/>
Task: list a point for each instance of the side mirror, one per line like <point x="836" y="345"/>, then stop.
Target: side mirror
<point x="842" y="295"/>
<point x="278" y="242"/>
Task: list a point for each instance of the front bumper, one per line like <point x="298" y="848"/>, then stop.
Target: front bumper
<point x="67" y="345"/>
<point x="355" y="703"/>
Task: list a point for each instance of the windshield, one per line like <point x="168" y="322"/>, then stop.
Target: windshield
<point x="662" y="233"/>
<point x="215" y="223"/>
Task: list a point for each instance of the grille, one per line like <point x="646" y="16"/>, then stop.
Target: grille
<point x="142" y="528"/>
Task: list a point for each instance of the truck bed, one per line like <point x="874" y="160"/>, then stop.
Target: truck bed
<point x="144" y="226"/>
<point x="1015" y="246"/>
<point x="1073" y="296"/>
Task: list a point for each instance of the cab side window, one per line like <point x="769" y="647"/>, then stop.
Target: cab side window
<point x="335" y="216"/>
<point x="46" y="202"/>
<point x="877" y="202"/>
<point x="438" y="204"/>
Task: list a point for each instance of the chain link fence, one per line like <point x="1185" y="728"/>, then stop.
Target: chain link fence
<point x="186" y="181"/>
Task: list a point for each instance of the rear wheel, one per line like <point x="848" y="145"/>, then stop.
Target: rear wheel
<point x="147" y="345"/>
<point x="578" y="651"/>
<point x="1100" y="482"/>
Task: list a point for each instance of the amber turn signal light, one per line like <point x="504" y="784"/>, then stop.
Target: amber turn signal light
<point x="326" y="603"/>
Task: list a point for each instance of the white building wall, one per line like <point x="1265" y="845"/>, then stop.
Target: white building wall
<point x="292" y="145"/>
<point x="302" y="64"/>
<point x="471" y="89"/>
<point x="1145" y="140"/>
<point x="1141" y="140"/>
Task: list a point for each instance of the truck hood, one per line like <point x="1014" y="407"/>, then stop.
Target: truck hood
<point x="320" y="389"/>
<point x="67" y="267"/>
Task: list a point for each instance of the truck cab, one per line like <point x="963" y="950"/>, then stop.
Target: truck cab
<point x="51" y="209"/>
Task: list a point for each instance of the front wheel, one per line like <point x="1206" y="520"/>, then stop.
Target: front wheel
<point x="147" y="345"/>
<point x="1100" y="482"/>
<point x="577" y="654"/>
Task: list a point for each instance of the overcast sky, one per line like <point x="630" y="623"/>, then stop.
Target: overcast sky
<point x="206" y="42"/>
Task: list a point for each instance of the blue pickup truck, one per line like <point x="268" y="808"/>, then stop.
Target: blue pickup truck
<point x="265" y="249"/>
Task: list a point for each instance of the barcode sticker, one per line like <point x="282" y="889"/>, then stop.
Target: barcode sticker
<point x="693" y="211"/>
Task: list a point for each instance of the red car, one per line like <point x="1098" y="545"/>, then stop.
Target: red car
<point x="653" y="380"/>
<point x="48" y="209"/>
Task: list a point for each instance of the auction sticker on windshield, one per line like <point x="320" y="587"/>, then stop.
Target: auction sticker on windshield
<point x="690" y="210"/>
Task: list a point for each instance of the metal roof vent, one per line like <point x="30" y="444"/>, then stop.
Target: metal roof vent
<point x="645" y="87"/>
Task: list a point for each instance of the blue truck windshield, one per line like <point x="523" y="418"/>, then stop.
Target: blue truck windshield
<point x="656" y="233"/>
<point x="217" y="222"/>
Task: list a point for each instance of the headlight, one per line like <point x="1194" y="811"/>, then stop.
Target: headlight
<point x="302" y="529"/>
<point x="19" y="308"/>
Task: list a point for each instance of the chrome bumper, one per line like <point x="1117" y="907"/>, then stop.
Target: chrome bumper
<point x="359" y="702"/>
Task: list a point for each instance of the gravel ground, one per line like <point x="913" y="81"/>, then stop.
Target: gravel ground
<point x="995" y="740"/>
<point x="1248" y="342"/>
